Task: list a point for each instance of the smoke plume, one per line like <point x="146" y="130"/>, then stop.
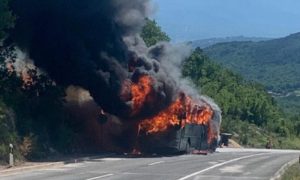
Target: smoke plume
<point x="81" y="43"/>
<point x="95" y="45"/>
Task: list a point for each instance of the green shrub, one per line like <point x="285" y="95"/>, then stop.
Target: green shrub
<point x="7" y="132"/>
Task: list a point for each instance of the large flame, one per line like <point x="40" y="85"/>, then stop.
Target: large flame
<point x="137" y="92"/>
<point x="140" y="92"/>
<point x="166" y="118"/>
<point x="184" y="110"/>
<point x="181" y="112"/>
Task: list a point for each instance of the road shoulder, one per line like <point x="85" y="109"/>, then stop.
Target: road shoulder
<point x="282" y="170"/>
<point x="28" y="166"/>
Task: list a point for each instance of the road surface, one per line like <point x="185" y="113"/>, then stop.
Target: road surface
<point x="226" y="164"/>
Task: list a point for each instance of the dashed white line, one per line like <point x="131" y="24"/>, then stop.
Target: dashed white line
<point x="99" y="177"/>
<point x="159" y="162"/>
<point x="218" y="165"/>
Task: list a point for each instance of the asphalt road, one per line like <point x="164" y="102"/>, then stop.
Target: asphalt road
<point x="226" y="164"/>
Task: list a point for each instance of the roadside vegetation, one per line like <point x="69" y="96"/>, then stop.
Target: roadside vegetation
<point x="249" y="112"/>
<point x="31" y="112"/>
<point x="293" y="173"/>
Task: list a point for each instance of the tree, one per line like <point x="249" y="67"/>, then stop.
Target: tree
<point x="153" y="34"/>
<point x="6" y="18"/>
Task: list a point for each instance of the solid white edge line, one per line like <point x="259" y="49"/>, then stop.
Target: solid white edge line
<point x="159" y="162"/>
<point x="99" y="177"/>
<point x="283" y="168"/>
<point x="218" y="165"/>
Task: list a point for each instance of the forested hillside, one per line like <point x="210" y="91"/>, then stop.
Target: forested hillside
<point x="274" y="63"/>
<point x="249" y="111"/>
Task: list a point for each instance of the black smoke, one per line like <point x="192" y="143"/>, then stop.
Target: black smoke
<point x="95" y="45"/>
<point x="89" y="44"/>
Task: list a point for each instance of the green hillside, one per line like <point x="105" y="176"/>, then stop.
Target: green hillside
<point x="274" y="63"/>
<point x="249" y="111"/>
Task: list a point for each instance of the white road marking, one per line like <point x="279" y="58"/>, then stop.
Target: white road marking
<point x="99" y="177"/>
<point x="55" y="169"/>
<point x="19" y="173"/>
<point x="232" y="169"/>
<point x="257" y="150"/>
<point x="111" y="159"/>
<point x="74" y="165"/>
<point x="218" y="165"/>
<point x="159" y="162"/>
<point x="147" y="174"/>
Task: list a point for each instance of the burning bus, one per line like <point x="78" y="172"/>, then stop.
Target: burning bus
<point x="192" y="138"/>
<point x="185" y="126"/>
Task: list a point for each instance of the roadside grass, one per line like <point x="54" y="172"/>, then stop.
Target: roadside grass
<point x="293" y="173"/>
<point x="288" y="143"/>
<point x="250" y="136"/>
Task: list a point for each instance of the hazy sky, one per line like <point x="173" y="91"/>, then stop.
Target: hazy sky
<point x="197" y="19"/>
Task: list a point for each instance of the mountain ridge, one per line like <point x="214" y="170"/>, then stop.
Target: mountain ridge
<point x="204" y="43"/>
<point x="274" y="63"/>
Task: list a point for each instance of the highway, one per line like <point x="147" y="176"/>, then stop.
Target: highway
<point x="225" y="164"/>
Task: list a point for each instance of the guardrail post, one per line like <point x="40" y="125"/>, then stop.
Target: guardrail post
<point x="11" y="155"/>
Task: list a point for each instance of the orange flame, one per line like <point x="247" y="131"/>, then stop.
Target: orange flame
<point x="165" y="119"/>
<point x="25" y="76"/>
<point x="184" y="110"/>
<point x="181" y="112"/>
<point x="140" y="92"/>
